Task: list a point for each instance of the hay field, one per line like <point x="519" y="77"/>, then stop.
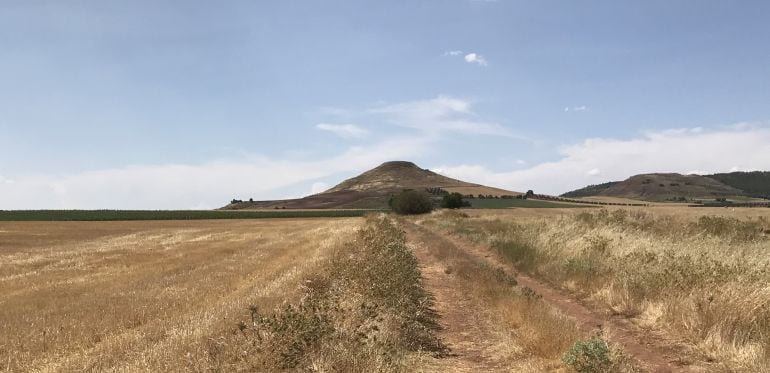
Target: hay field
<point x="146" y="296"/>
<point x="696" y="276"/>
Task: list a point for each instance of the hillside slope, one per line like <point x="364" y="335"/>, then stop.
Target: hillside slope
<point x="373" y="188"/>
<point x="396" y="176"/>
<point x="671" y="186"/>
<point x="754" y="184"/>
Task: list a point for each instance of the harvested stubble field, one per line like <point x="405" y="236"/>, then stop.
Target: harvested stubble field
<point x="479" y="290"/>
<point x="146" y="296"/>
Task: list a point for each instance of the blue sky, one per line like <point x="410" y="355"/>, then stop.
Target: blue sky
<point x="187" y="104"/>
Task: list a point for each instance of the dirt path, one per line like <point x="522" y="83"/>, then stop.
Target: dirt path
<point x="468" y="336"/>
<point x="653" y="353"/>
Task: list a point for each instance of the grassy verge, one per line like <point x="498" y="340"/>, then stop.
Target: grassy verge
<point x="703" y="280"/>
<point x="108" y="215"/>
<point x="365" y="311"/>
<point x="526" y="334"/>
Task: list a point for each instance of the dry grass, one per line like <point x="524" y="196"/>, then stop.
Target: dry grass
<point x="520" y="332"/>
<point x="365" y="310"/>
<point x="146" y="296"/>
<point x="683" y="272"/>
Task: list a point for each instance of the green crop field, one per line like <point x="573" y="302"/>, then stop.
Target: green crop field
<point x="508" y="203"/>
<point x="105" y="215"/>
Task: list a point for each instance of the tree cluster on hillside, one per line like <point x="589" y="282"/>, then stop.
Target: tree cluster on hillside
<point x="754" y="184"/>
<point x="590" y="190"/>
<point x="437" y="191"/>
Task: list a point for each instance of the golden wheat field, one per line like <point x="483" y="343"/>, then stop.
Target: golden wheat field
<point x="145" y="296"/>
<point x="641" y="289"/>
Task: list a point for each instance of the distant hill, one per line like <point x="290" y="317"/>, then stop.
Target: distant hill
<point x="373" y="188"/>
<point x="590" y="191"/>
<point x="396" y="176"/>
<point x="673" y="186"/>
<point x="754" y="184"/>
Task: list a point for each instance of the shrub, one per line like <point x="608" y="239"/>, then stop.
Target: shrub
<point x="411" y="202"/>
<point x="453" y="201"/>
<point x="591" y="356"/>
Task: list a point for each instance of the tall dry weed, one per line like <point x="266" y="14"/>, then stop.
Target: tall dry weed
<point x="703" y="280"/>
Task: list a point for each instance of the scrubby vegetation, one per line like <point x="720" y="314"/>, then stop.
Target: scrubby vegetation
<point x="590" y="190"/>
<point x="411" y="202"/>
<point x="453" y="201"/>
<point x="703" y="280"/>
<point x="755" y="184"/>
<point x="363" y="312"/>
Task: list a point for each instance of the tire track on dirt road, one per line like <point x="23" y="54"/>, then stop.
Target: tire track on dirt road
<point x="653" y="352"/>
<point x="470" y="340"/>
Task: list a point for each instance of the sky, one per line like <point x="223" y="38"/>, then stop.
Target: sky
<point x="189" y="104"/>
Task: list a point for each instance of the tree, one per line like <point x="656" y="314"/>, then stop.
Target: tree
<point x="530" y="193"/>
<point x="452" y="201"/>
<point x="411" y="202"/>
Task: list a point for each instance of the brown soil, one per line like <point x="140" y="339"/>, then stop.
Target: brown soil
<point x="469" y="339"/>
<point x="652" y="352"/>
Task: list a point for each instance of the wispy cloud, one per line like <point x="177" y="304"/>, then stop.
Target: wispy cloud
<point x="212" y="184"/>
<point x="576" y="108"/>
<point x="205" y="185"/>
<point x="598" y="160"/>
<point x="475" y="58"/>
<point x="442" y="114"/>
<point x="343" y="130"/>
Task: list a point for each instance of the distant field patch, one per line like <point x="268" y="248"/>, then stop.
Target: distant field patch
<point x="107" y="215"/>
<point x="496" y="203"/>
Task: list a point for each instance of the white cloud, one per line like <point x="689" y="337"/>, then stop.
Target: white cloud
<point x="593" y="172"/>
<point x="206" y="185"/>
<point x="343" y="130"/>
<point x="475" y="58"/>
<point x="577" y="108"/>
<point x="442" y="114"/>
<point x="679" y="150"/>
<point x="469" y="57"/>
<point x="212" y="184"/>
<point x="318" y="187"/>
